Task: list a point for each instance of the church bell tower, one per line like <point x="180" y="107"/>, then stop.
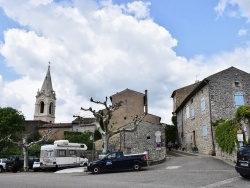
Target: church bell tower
<point x="46" y="101"/>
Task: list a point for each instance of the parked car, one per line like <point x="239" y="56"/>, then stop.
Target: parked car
<point x="118" y="161"/>
<point x="15" y="163"/>
<point x="243" y="161"/>
<point x="2" y="165"/>
<point x="36" y="166"/>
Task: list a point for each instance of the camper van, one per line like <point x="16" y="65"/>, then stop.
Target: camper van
<point x="61" y="154"/>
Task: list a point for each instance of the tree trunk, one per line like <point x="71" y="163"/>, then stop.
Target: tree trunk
<point x="25" y="159"/>
<point x="105" y="139"/>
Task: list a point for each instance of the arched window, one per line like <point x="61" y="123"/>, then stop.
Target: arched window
<point x="50" y="108"/>
<point x="42" y="107"/>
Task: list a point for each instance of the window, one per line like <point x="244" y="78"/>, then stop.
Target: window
<point x="187" y="112"/>
<point x="62" y="153"/>
<point x="203" y="107"/>
<point x="192" y="113"/>
<point x="50" y="108"/>
<point x="237" y="84"/>
<point x="239" y="99"/>
<point x="72" y="152"/>
<point x="42" y="107"/>
<point x="204" y="131"/>
<point x="186" y="137"/>
<point x="49" y="153"/>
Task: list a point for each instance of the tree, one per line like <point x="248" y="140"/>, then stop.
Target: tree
<point x="11" y="122"/>
<point x="79" y="137"/>
<point x="170" y="131"/>
<point x="25" y="145"/>
<point x="102" y="119"/>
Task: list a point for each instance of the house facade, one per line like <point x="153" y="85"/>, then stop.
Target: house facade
<point x="133" y="104"/>
<point x="150" y="133"/>
<point x="198" y="105"/>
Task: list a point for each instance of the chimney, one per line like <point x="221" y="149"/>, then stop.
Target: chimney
<point x="146" y="101"/>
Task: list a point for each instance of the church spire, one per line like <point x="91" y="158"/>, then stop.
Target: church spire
<point x="46" y="101"/>
<point x="47" y="87"/>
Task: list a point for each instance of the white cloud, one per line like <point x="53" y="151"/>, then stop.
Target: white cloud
<point x="242" y="32"/>
<point x="139" y="9"/>
<point x="97" y="50"/>
<point x="234" y="8"/>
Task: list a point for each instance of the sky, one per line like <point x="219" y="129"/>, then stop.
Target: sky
<point x="97" y="48"/>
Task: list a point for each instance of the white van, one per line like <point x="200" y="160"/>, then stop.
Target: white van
<point x="62" y="154"/>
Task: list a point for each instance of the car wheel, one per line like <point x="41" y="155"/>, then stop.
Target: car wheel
<point x="96" y="170"/>
<point x="55" y="169"/>
<point x="245" y="176"/>
<point x="14" y="170"/>
<point x="136" y="167"/>
<point x="1" y="169"/>
<point x="35" y="170"/>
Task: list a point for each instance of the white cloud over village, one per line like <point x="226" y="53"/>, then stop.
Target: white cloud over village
<point x="97" y="50"/>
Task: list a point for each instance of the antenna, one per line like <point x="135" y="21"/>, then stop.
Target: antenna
<point x="196" y="80"/>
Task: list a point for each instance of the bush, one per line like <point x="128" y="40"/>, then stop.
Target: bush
<point x="226" y="135"/>
<point x="242" y="111"/>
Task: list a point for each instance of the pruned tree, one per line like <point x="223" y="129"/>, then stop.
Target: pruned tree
<point x="102" y="119"/>
<point x="26" y="146"/>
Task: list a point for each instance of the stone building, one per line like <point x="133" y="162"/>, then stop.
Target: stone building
<point x="78" y="125"/>
<point x="149" y="136"/>
<point x="133" y="103"/>
<point x="198" y="105"/>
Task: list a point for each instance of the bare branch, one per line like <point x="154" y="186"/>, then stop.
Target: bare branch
<point x="45" y="137"/>
<point x="136" y="121"/>
<point x="19" y="143"/>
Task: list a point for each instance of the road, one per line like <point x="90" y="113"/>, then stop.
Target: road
<point x="180" y="170"/>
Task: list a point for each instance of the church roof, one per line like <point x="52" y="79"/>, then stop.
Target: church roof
<point x="55" y="125"/>
<point x="47" y="83"/>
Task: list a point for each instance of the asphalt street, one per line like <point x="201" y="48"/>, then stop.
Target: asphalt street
<point x="180" y="170"/>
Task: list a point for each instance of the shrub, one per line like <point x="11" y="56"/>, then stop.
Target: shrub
<point x="226" y="135"/>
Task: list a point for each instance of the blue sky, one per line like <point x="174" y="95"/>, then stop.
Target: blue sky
<point x="101" y="47"/>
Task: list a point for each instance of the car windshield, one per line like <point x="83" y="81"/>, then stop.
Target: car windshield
<point x="244" y="151"/>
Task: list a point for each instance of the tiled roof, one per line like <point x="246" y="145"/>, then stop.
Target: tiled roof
<point x="56" y="125"/>
<point x="127" y="90"/>
<point x="82" y="120"/>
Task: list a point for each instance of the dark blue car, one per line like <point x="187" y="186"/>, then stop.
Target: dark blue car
<point x="117" y="161"/>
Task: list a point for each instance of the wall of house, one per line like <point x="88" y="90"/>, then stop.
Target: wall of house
<point x="142" y="140"/>
<point x="132" y="104"/>
<point x="57" y="133"/>
<point x="193" y="126"/>
<point x="222" y="90"/>
<point x="85" y="128"/>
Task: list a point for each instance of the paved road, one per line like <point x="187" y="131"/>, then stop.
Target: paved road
<point x="180" y="170"/>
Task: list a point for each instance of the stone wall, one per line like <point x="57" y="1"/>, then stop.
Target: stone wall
<point x="143" y="139"/>
<point x="222" y="90"/>
<point x="192" y="126"/>
<point x="132" y="105"/>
